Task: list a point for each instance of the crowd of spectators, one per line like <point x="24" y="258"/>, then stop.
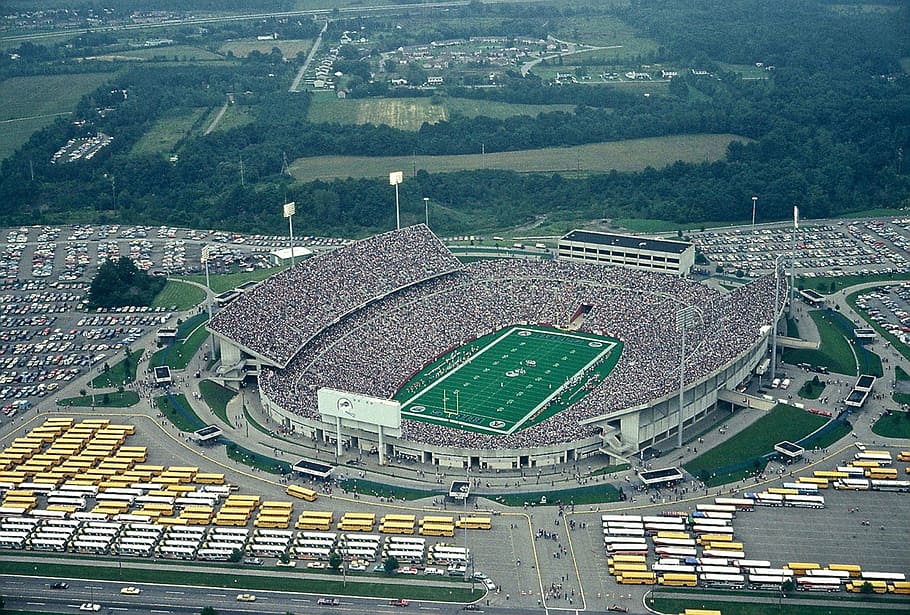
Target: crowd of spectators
<point x="375" y="350"/>
<point x="279" y="316"/>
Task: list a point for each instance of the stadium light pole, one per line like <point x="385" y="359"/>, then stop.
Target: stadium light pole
<point x="395" y="178"/>
<point x="774" y="322"/>
<point x="289" y="210"/>
<point x="685" y="318"/>
<point x="206" y="257"/>
<point x="426" y="210"/>
<point x="793" y="258"/>
<point x="754" y="201"/>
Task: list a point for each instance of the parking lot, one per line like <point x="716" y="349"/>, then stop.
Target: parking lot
<point x="834" y="249"/>
<point x="47" y="338"/>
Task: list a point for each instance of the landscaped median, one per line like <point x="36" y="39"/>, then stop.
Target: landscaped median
<point x="225" y="575"/>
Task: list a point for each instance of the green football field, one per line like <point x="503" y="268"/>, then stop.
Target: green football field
<point x="510" y="379"/>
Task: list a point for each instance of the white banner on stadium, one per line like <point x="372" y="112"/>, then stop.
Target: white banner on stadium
<point x="360" y="411"/>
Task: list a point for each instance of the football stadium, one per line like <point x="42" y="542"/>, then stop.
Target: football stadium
<point x="504" y="363"/>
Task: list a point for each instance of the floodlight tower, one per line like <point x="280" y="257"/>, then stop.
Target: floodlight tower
<point x="395" y="178"/>
<point x="289" y="210"/>
<point x="206" y="257"/>
<point x="754" y="201"/>
<point x="426" y="210"/>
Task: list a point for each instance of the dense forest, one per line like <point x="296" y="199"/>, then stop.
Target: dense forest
<point x="827" y="131"/>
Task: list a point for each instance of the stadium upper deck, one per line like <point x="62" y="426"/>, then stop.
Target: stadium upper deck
<point x="283" y="313"/>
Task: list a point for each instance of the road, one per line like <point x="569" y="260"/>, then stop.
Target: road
<point x="295" y="85"/>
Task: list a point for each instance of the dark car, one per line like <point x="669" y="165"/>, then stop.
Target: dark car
<point x="60" y="585"/>
<point x="399" y="602"/>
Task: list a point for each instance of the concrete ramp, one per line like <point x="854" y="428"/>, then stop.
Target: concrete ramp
<point x="794" y="342"/>
<point x="746" y="401"/>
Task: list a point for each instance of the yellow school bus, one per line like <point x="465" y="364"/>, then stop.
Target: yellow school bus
<point x="302" y="492"/>
<point x="678" y="579"/>
<point x="474" y="523"/>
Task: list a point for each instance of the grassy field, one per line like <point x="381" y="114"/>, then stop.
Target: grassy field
<point x="289" y="47"/>
<point x="630" y="155"/>
<point x="235" y="116"/>
<point x="416" y="111"/>
<point x="748" y="606"/>
<point x="103" y="400"/>
<point x="217" y="398"/>
<point x="39" y="98"/>
<point x="834" y="351"/>
<point x="181" y="52"/>
<point x="179" y="296"/>
<point x="119" y="373"/>
<point x="168" y="130"/>
<point x="229" y="576"/>
<point x="894" y="425"/>
<point x="781" y="423"/>
<point x="229" y="281"/>
<point x="508" y="380"/>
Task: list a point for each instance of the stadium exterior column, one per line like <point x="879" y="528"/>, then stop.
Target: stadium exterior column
<point x="337" y="436"/>
<point x="774" y="318"/>
<point x="381" y="451"/>
<point x="684" y="320"/>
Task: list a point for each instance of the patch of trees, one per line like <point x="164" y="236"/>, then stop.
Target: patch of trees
<point x="119" y="283"/>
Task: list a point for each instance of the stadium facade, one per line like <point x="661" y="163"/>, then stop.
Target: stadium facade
<point x="368" y="316"/>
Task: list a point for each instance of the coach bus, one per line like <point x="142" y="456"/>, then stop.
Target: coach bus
<point x="805" y="501"/>
<point x="729" y="581"/>
<point x="802" y="488"/>
<point x="852" y="484"/>
<point x="766" y="581"/>
<point x="725" y="508"/>
<point x="623" y="531"/>
<point x="705" y="521"/>
<point x="713" y="529"/>
<point x="816" y="583"/>
<point x="745" y="504"/>
<point x="675" y="551"/>
<point x="879" y="456"/>
<point x="877" y="485"/>
<point x="608" y="518"/>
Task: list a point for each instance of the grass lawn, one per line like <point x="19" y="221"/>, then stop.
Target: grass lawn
<point x="388" y="491"/>
<point x="30" y="103"/>
<point x="229" y="281"/>
<point x="167" y="131"/>
<point x="832" y="436"/>
<point x="103" y="400"/>
<point x="119" y="373"/>
<point x="629" y="155"/>
<point x="894" y="425"/>
<point x="179" y="295"/>
<point x="183" y="417"/>
<point x="217" y="398"/>
<point x="783" y="422"/>
<point x="834" y="351"/>
<point x="228" y="576"/>
<point x="829" y="285"/>
<point x="754" y="607"/>
<point x="256" y="460"/>
<point x="594" y="494"/>
<point x="811" y="389"/>
<point x="190" y="337"/>
<point x="289" y="47"/>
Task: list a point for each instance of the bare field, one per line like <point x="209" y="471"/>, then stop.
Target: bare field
<point x="289" y="48"/>
<point x="412" y="113"/>
<point x="28" y="104"/>
<point x="630" y="155"/>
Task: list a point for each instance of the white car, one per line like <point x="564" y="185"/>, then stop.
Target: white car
<point x="246" y="598"/>
<point x="131" y="591"/>
<point x="89" y="606"/>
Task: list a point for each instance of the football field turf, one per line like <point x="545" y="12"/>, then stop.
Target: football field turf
<point x="510" y="379"/>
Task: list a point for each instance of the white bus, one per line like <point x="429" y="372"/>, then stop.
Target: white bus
<point x="713" y="529"/>
<point x="134" y="549"/>
<point x="324" y="538"/>
<point x="607" y="518"/>
<point x="406" y="555"/>
<point x="724" y="508"/>
<point x="805" y="501"/>
<point x="674" y="542"/>
<point x="314" y="552"/>
<point x="271" y="540"/>
<point x="852" y="484"/>
<point x="176" y="552"/>
<point x="738" y="503"/>
<point x="718" y="569"/>
<point x="724" y="553"/>
<point x="212" y="554"/>
<point x="355" y="552"/>
<point x="11" y="540"/>
<point x="661" y="567"/>
<point x="229" y="531"/>
<point x="47" y="544"/>
<point x="91" y="490"/>
<point x="803" y="488"/>
<point x="883" y="576"/>
<point x="94" y="547"/>
<point x="814" y="583"/>
<point x="623" y="531"/>
<point x="764" y="498"/>
<point x="880" y="456"/>
<point x="273" y="533"/>
<point x="675" y="551"/>
<point x="753" y="564"/>
<point x="766" y="581"/>
<point x="730" y="581"/>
